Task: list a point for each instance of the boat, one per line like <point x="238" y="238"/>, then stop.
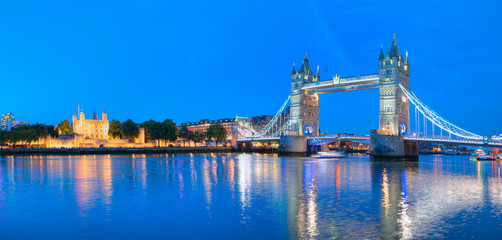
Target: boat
<point x="329" y="155"/>
<point x="480" y="155"/>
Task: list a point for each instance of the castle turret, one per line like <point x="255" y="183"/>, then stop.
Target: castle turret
<point x="74" y="120"/>
<point x="82" y="114"/>
<point x="94" y="115"/>
<point x="103" y="115"/>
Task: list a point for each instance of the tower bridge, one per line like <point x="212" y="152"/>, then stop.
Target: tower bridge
<point x="394" y="136"/>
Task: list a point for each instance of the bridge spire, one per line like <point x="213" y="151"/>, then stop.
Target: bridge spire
<point x="381" y="52"/>
<point x="406" y="63"/>
<point x="393" y="52"/>
<point x="294" y="71"/>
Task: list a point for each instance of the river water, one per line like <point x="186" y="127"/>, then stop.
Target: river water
<point x="248" y="196"/>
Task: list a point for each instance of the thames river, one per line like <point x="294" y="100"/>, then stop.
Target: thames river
<point x="248" y="196"/>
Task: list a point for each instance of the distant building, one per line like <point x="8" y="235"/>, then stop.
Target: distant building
<point x="15" y="123"/>
<point x="230" y="124"/>
<point x="6" y="117"/>
<point x="91" y="128"/>
<point x="259" y="122"/>
<point x="8" y="122"/>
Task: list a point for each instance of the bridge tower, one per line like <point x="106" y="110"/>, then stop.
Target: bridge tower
<point x="394" y="106"/>
<point x="304" y="107"/>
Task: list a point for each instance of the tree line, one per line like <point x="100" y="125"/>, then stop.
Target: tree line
<point x="166" y="131"/>
<point x="26" y="135"/>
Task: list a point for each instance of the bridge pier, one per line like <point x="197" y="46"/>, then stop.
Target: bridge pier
<point x="293" y="144"/>
<point x="392" y="148"/>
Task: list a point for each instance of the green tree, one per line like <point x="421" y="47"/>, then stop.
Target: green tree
<point x="156" y="132"/>
<point x="52" y="131"/>
<point x="186" y="134"/>
<point x="217" y="132"/>
<point x="64" y="127"/>
<point x="41" y="131"/>
<point x="30" y="135"/>
<point x="147" y="125"/>
<point x="4" y="136"/>
<point x="115" y="130"/>
<point x="130" y="129"/>
<point x="198" y="137"/>
<point x="15" y="137"/>
<point x="170" y="130"/>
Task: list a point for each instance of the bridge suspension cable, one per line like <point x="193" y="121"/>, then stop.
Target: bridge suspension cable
<point x="262" y="133"/>
<point x="436" y="119"/>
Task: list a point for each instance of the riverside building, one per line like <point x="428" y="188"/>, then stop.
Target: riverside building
<point x="91" y="128"/>
<point x="230" y="124"/>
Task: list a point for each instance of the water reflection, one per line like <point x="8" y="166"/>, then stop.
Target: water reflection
<point x="393" y="179"/>
<point x="250" y="195"/>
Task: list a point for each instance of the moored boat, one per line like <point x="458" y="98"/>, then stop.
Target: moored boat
<point x="329" y="155"/>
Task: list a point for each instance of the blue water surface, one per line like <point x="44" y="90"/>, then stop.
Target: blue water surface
<point x="248" y="196"/>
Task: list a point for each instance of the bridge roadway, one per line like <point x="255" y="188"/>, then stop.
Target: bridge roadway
<point x="344" y="84"/>
<point x="325" y="139"/>
<point x="331" y="137"/>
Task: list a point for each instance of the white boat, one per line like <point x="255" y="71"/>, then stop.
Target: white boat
<point x="481" y="155"/>
<point x="329" y="155"/>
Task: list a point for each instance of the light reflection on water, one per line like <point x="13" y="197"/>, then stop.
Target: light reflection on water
<point x="248" y="196"/>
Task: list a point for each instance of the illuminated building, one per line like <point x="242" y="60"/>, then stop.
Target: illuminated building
<point x="394" y="107"/>
<point x="5" y="119"/>
<point x="230" y="124"/>
<point x="8" y="121"/>
<point x="259" y="122"/>
<point x="14" y="123"/>
<point x="304" y="104"/>
<point x="91" y="128"/>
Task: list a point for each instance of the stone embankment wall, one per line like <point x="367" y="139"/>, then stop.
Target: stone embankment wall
<point x="71" y="151"/>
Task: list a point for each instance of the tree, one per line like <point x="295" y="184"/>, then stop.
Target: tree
<point x="170" y="130"/>
<point x="64" y="127"/>
<point x="30" y="135"/>
<point x="41" y="131"/>
<point x="217" y="132"/>
<point x="130" y="129"/>
<point x="4" y="136"/>
<point x="147" y="125"/>
<point x="186" y="134"/>
<point x="52" y="131"/>
<point x="156" y="132"/>
<point x="198" y="137"/>
<point x="115" y="130"/>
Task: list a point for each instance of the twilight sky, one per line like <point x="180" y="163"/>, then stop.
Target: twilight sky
<point x="190" y="60"/>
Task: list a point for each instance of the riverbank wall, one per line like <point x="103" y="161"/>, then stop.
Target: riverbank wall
<point x="84" y="151"/>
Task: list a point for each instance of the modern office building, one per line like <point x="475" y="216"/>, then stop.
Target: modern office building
<point x="6" y="117"/>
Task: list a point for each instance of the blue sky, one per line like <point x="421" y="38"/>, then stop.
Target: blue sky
<point x="189" y="60"/>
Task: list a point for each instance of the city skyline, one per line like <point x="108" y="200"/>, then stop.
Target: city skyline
<point x="156" y="64"/>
